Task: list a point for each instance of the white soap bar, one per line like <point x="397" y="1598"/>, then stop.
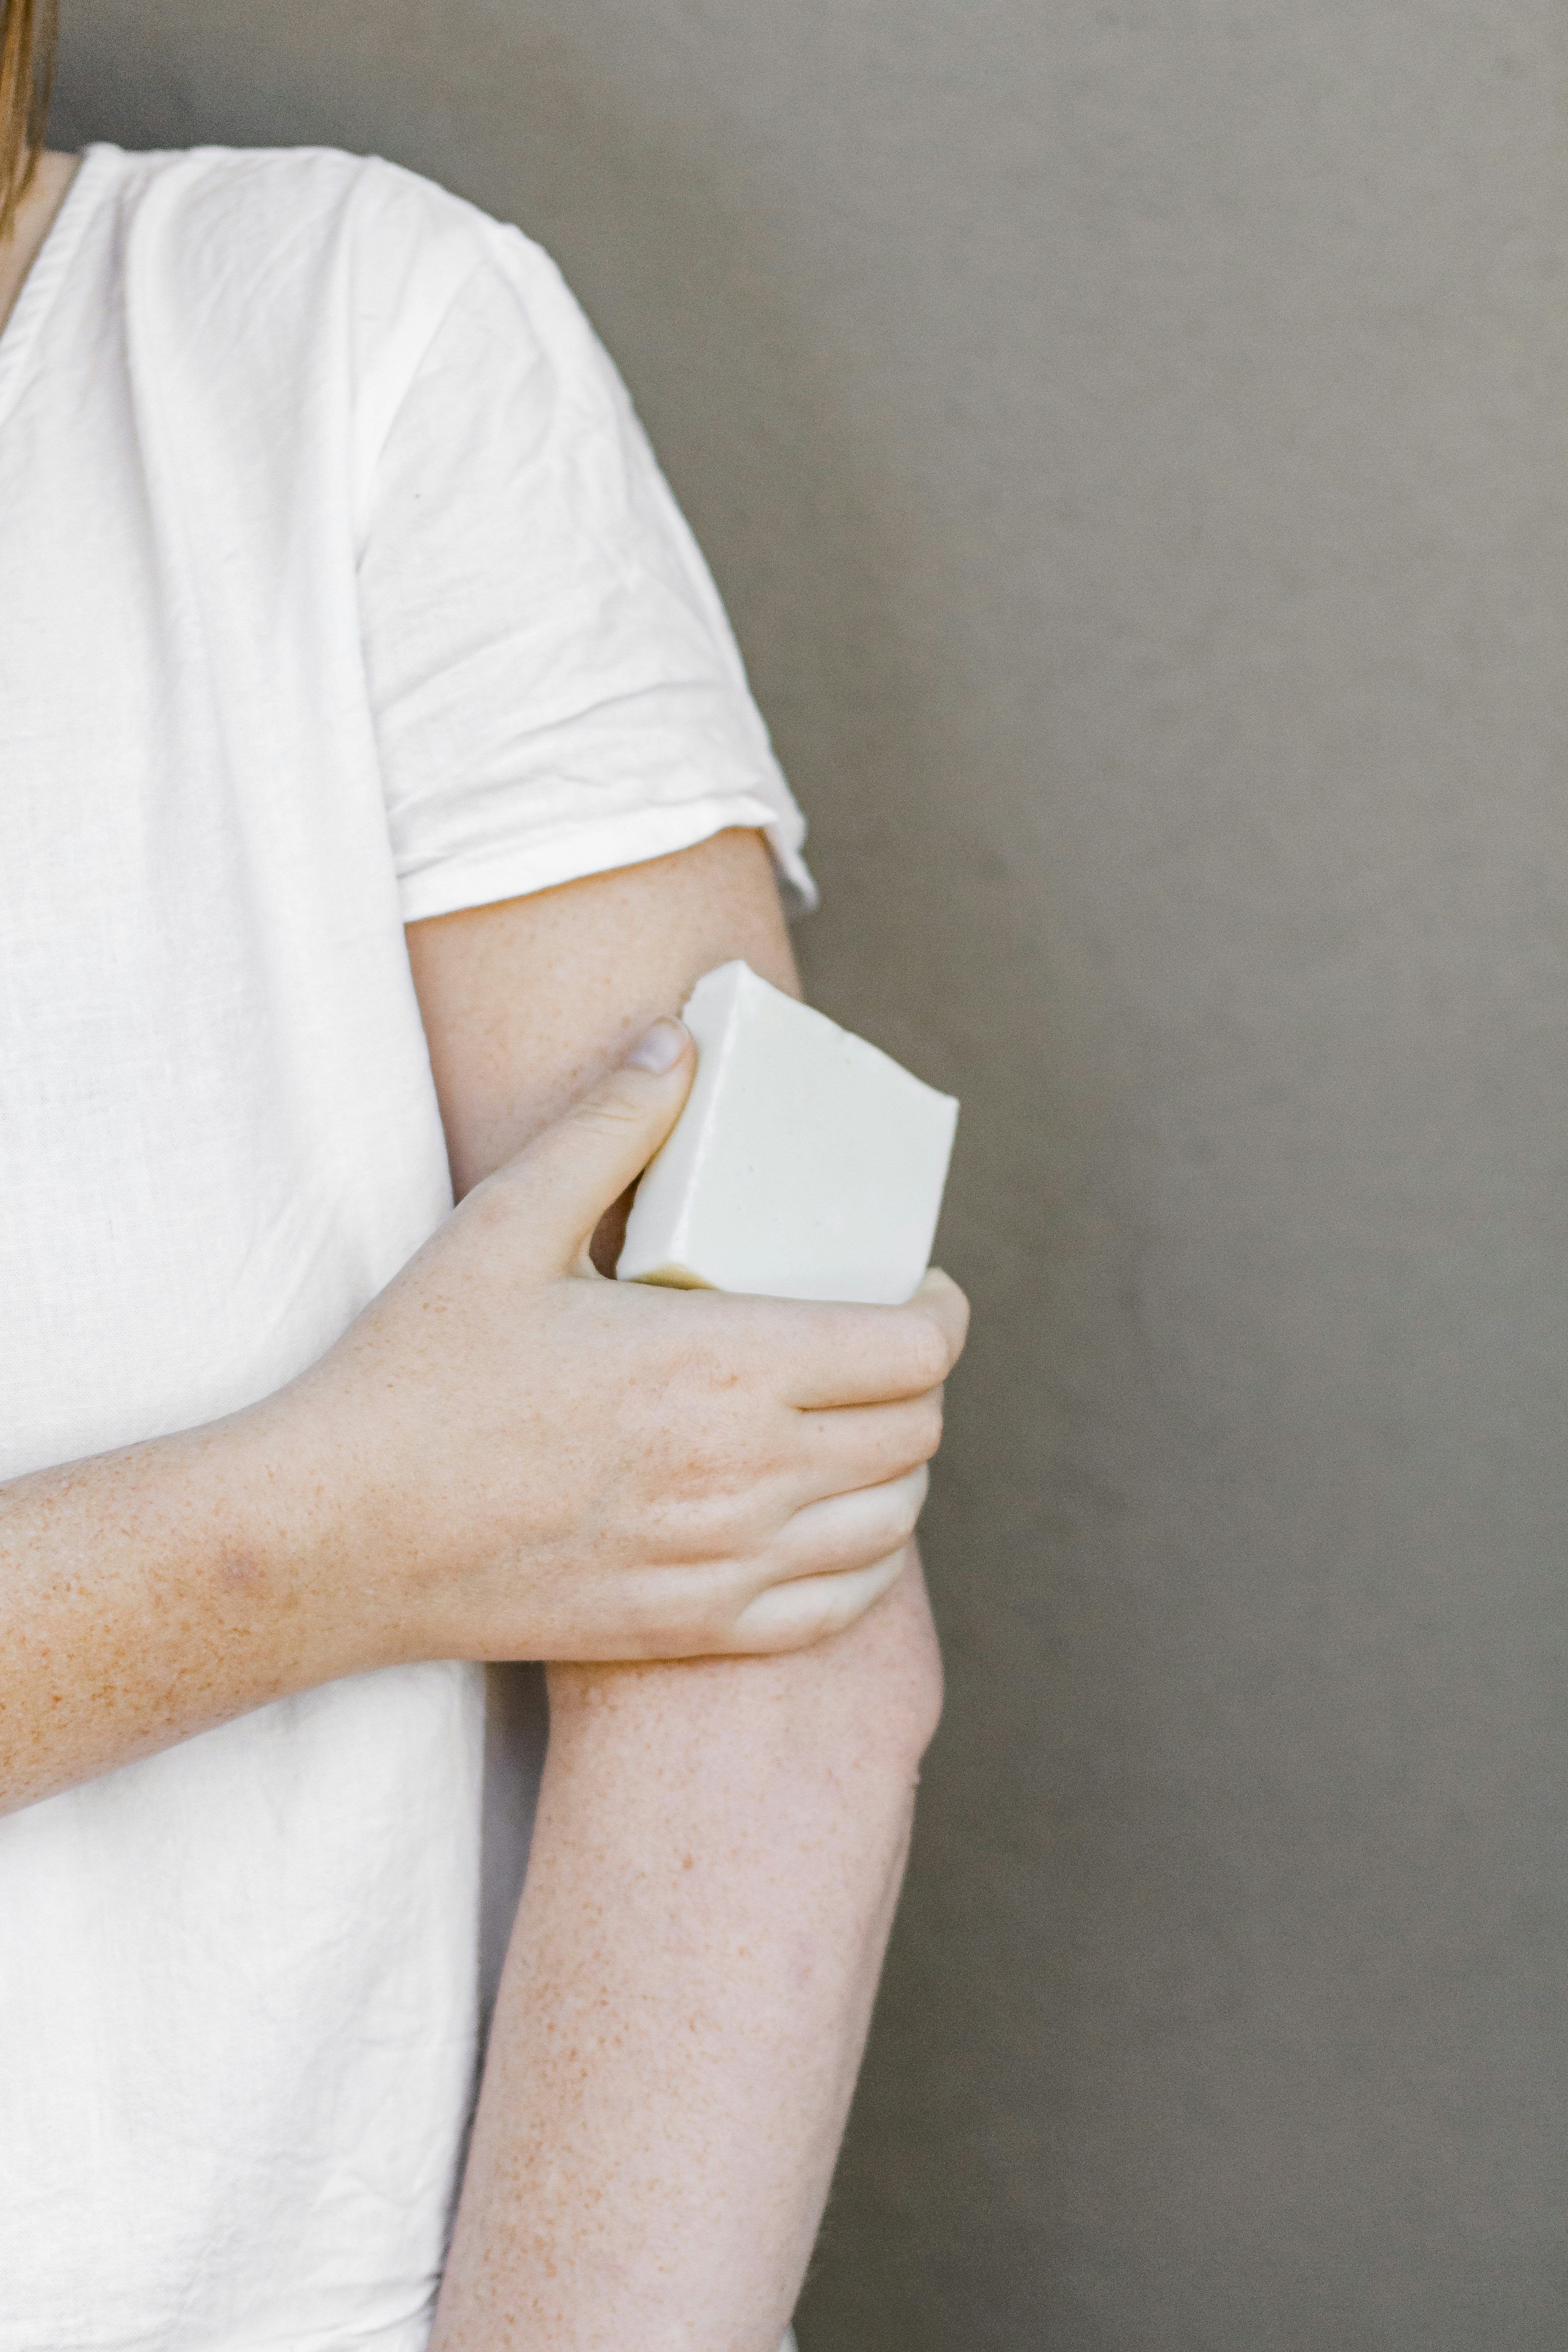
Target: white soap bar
<point x="805" y="1165"/>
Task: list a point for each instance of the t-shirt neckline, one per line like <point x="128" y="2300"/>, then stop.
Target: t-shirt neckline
<point x="42" y="281"/>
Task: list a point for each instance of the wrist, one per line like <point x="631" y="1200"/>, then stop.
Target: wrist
<point x="293" y="1523"/>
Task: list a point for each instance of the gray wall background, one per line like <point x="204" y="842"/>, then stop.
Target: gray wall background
<point x="1130" y="435"/>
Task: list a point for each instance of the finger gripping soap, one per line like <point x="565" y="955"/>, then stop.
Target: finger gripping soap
<point x="806" y="1164"/>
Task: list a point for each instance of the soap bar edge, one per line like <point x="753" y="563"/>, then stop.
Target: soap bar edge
<point x="710" y="1059"/>
<point x="738" y="985"/>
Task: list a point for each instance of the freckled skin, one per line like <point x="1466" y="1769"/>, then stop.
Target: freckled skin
<point x="720" y="1841"/>
<point x="511" y="1474"/>
<point x="719" y="1844"/>
<point x="671" y="2066"/>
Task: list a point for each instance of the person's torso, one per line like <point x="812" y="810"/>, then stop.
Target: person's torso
<point x="236" y="1979"/>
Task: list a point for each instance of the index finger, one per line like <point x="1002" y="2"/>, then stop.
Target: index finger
<point x="838" y="1355"/>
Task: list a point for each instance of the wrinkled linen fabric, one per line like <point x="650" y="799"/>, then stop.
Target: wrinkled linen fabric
<point x="338" y="588"/>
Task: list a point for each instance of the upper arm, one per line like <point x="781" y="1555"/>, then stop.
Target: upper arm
<point x="555" y="690"/>
<point x="526" y="1003"/>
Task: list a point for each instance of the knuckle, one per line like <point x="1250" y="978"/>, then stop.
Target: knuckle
<point x="718" y="1359"/>
<point x="699" y="1527"/>
<point x="929" y="1355"/>
<point x="906" y="1516"/>
<point x="490" y="1210"/>
<point x="711" y="1465"/>
<point x="712" y="1631"/>
<point x="698" y="1620"/>
<point x="608" y="1112"/>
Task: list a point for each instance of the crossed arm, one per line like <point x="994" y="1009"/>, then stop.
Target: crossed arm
<point x="503" y="1458"/>
<point x="718" y="1844"/>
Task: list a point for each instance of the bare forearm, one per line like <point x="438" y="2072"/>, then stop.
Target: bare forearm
<point x="719" y="1845"/>
<point x="149" y="1594"/>
<point x="714" y="1867"/>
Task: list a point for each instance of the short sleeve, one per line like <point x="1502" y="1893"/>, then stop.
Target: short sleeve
<point x="554" y="686"/>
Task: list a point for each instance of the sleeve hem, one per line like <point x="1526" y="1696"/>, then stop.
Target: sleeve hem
<point x="514" y="870"/>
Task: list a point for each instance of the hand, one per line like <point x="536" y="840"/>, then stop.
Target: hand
<point x="529" y="1461"/>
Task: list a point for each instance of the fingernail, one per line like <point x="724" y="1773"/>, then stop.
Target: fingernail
<point x="660" y="1050"/>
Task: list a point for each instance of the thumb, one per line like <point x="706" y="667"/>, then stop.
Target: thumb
<point x="580" y="1166"/>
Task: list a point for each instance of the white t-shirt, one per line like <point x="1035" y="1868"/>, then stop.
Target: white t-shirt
<point x="337" y="588"/>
